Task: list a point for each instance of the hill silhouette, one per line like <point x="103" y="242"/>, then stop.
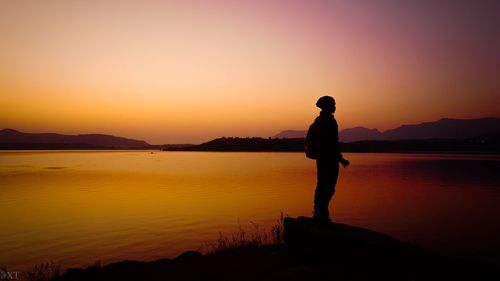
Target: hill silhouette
<point x="445" y="128"/>
<point x="490" y="144"/>
<point x="12" y="139"/>
<point x="246" y="144"/>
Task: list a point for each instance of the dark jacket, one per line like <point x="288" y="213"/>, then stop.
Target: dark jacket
<point x="322" y="140"/>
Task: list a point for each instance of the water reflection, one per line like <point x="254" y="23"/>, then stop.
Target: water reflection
<point x="79" y="207"/>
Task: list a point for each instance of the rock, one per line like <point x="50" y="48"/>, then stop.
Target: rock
<point x="306" y="234"/>
<point x="188" y="256"/>
<point x="377" y="253"/>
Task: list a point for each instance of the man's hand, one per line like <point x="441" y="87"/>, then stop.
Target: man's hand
<point x="344" y="162"/>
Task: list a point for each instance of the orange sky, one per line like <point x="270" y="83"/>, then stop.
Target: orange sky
<point x="190" y="71"/>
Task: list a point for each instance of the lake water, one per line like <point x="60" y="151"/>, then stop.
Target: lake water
<point x="79" y="207"/>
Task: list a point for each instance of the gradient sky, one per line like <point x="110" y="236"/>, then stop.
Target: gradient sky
<point x="190" y="71"/>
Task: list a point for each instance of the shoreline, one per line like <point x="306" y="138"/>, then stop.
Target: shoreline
<point x="458" y="152"/>
<point x="308" y="251"/>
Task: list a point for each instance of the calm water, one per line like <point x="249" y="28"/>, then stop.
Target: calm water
<point x="76" y="208"/>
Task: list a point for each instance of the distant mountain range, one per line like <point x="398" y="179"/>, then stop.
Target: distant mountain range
<point x="12" y="139"/>
<point x="442" y="129"/>
<point x="445" y="134"/>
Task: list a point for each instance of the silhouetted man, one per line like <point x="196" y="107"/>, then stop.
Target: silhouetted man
<point x="322" y="144"/>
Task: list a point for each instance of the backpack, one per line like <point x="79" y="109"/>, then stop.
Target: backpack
<point x="311" y="142"/>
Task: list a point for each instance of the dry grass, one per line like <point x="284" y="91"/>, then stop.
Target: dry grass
<point x="44" y="271"/>
<point x="256" y="238"/>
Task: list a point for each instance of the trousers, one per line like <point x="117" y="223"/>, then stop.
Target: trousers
<point x="327" y="175"/>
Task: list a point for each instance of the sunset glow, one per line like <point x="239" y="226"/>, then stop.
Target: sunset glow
<point x="190" y="71"/>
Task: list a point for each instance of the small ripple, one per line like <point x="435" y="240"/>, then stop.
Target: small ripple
<point x="54" y="168"/>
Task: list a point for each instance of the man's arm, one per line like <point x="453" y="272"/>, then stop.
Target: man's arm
<point x="341" y="158"/>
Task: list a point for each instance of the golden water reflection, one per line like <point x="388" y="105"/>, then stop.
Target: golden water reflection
<point x="75" y="207"/>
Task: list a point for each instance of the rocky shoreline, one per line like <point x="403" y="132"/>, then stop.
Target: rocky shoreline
<point x="310" y="251"/>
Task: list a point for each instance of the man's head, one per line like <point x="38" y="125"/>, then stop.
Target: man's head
<point x="326" y="103"/>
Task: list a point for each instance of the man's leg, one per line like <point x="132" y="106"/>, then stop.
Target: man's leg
<point x="333" y="174"/>
<point x="320" y="202"/>
<point x="327" y="173"/>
